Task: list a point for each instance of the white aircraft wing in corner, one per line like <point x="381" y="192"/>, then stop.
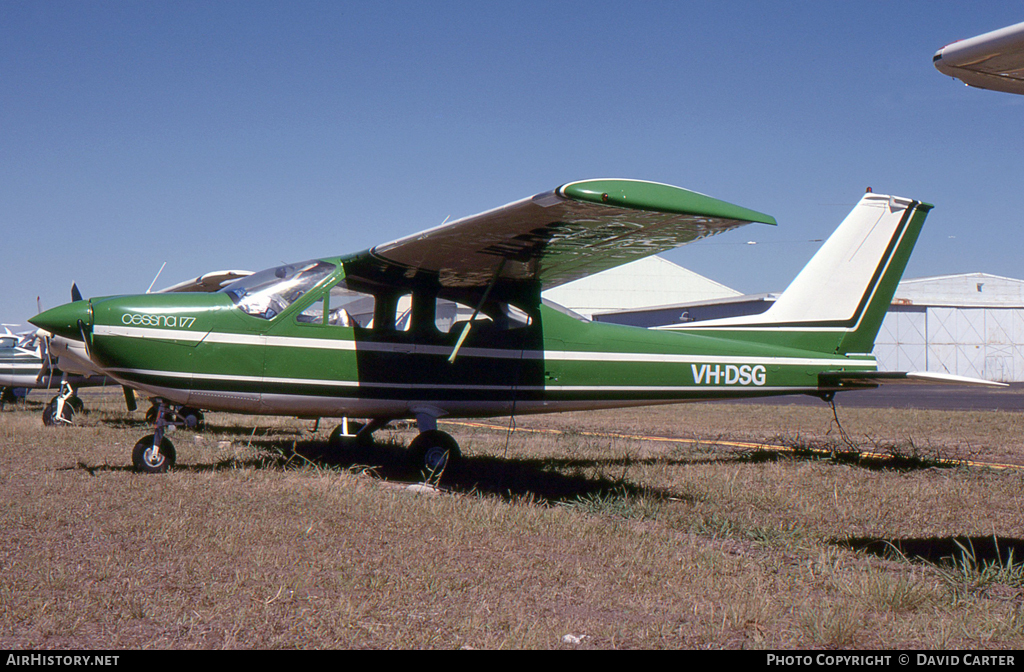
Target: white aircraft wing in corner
<point x="993" y="60"/>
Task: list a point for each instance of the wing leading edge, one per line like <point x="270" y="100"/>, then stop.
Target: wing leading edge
<point x="576" y="230"/>
<point x="994" y="60"/>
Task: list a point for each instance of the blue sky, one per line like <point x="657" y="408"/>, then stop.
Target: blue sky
<point x="218" y="135"/>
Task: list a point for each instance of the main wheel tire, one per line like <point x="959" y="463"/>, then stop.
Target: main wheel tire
<point x="147" y="459"/>
<point x="434" y="452"/>
<point x="67" y="415"/>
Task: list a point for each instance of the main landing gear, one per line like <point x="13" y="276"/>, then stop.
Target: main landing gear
<point x="433" y="452"/>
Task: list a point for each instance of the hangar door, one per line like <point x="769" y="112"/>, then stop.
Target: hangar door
<point x="956" y="341"/>
<point x="979" y="342"/>
<point x="901" y="344"/>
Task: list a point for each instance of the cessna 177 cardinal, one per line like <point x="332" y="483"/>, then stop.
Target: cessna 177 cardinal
<point x="450" y="322"/>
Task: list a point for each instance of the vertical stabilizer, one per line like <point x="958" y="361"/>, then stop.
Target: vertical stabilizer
<point x="844" y="291"/>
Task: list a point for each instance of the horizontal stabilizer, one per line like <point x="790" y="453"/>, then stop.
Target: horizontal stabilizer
<point x="854" y="379"/>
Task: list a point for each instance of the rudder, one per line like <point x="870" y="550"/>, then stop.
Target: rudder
<point x="846" y="288"/>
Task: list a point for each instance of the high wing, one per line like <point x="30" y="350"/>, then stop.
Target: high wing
<point x="578" y="229"/>
<point x="994" y="60"/>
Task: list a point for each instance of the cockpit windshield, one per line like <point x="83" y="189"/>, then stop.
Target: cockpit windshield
<point x="266" y="294"/>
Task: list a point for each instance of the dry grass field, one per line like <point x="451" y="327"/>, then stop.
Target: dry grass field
<point x="891" y="535"/>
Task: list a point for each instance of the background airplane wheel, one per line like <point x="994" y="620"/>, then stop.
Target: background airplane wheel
<point x="147" y="459"/>
<point x="434" y="452"/>
<point x="7" y="396"/>
<point x="192" y="417"/>
<point x="50" y="418"/>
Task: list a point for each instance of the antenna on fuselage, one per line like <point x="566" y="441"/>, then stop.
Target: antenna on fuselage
<point x="155" y="277"/>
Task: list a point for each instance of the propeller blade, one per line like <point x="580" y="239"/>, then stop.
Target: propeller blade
<point x="46" y="367"/>
<point x="75" y="294"/>
<point x="85" y="340"/>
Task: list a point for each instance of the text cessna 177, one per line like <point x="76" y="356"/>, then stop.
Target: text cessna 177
<point x="450" y="322"/>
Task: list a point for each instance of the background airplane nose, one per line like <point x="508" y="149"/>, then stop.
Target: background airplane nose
<point x="63" y="320"/>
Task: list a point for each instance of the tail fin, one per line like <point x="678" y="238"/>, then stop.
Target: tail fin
<point x="843" y="293"/>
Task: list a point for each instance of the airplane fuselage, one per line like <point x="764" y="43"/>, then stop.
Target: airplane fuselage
<point x="204" y="351"/>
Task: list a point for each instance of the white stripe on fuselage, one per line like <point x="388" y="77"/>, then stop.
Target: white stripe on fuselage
<point x="433" y="386"/>
<point x="445" y="351"/>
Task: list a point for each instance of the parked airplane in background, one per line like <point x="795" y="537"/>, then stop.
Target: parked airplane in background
<point x="26" y="364"/>
<point x="376" y="334"/>
<point x="994" y="60"/>
<point x="18" y="358"/>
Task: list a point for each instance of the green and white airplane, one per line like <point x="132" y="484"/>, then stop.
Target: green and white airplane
<point x="450" y="322"/>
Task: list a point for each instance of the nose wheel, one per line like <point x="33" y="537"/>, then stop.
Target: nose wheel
<point x="154" y="454"/>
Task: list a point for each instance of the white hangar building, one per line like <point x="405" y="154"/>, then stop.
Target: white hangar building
<point x="650" y="281"/>
<point x="970" y="324"/>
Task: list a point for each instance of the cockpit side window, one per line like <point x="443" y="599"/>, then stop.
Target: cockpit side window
<point x="341" y="306"/>
<point x="268" y="293"/>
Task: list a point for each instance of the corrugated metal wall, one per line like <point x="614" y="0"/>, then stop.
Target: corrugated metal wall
<point x="978" y="342"/>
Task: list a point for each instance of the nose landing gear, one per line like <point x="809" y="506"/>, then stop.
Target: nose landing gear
<point x="154" y="454"/>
